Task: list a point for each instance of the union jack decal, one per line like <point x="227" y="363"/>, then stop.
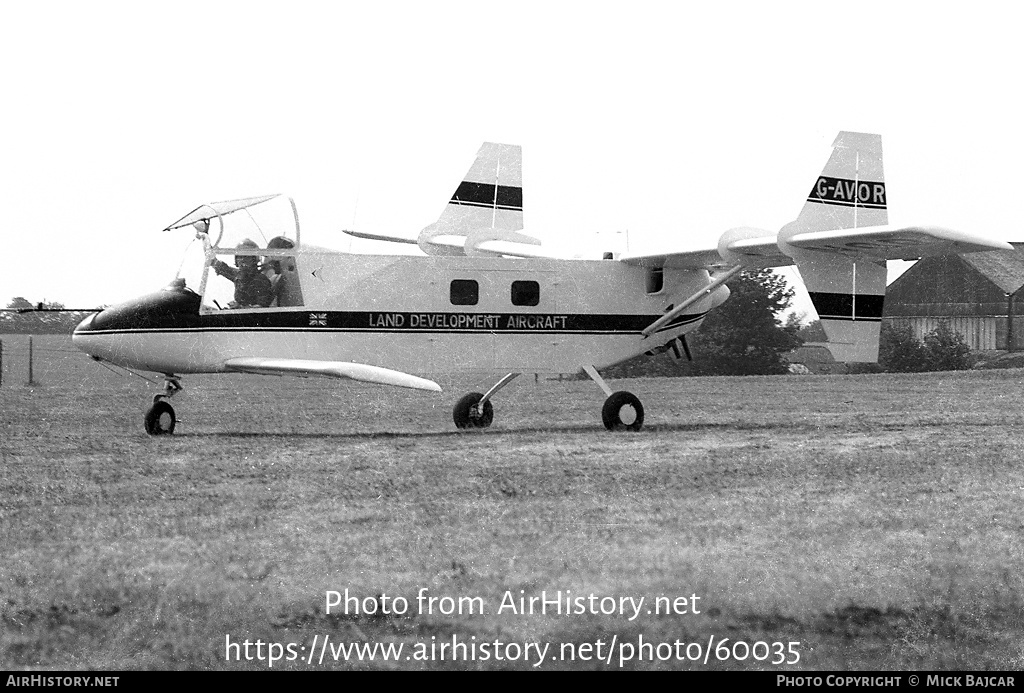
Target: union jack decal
<point x="318" y="319"/>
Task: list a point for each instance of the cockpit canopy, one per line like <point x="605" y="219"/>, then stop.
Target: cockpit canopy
<point x="244" y="256"/>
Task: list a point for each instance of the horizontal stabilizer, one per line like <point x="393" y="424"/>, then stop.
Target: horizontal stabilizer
<point x="329" y="369"/>
<point x="380" y="237"/>
<point x="513" y="249"/>
<point x="454" y="243"/>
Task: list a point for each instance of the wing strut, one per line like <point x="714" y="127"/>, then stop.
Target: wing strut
<point x="678" y="310"/>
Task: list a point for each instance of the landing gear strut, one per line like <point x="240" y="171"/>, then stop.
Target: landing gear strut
<point x="475" y="410"/>
<point x="160" y="418"/>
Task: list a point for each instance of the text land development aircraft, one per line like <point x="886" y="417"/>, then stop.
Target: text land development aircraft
<point x="485" y="298"/>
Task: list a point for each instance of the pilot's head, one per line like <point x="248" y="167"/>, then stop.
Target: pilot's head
<point x="246" y="261"/>
<point x="276" y="262"/>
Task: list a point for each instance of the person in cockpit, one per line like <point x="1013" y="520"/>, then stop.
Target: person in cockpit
<point x="284" y="280"/>
<point x="252" y="288"/>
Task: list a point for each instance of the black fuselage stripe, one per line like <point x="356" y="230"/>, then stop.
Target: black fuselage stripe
<point x="381" y="322"/>
<point x="314" y="330"/>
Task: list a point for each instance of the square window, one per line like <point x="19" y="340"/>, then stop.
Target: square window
<point x="525" y="293"/>
<point x="655" y="280"/>
<point x="465" y="292"/>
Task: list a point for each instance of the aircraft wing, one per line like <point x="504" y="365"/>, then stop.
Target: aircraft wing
<point x="330" y="369"/>
<point x="759" y="248"/>
<point x="893" y="243"/>
<point x="701" y="258"/>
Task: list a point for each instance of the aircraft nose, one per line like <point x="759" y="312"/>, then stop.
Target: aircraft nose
<point x="80" y="336"/>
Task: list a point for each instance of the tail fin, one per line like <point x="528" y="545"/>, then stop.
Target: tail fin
<point x="489" y="197"/>
<point x="847" y="291"/>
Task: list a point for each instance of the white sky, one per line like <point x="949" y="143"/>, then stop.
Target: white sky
<point x="673" y="120"/>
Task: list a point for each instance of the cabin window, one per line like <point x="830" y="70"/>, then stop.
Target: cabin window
<point x="525" y="293"/>
<point x="655" y="280"/>
<point x="465" y="292"/>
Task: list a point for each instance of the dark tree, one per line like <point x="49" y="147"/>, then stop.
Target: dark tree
<point x="899" y="351"/>
<point x="812" y="332"/>
<point x="745" y="335"/>
<point x="946" y="350"/>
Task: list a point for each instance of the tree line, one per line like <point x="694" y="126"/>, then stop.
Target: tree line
<point x="37" y="322"/>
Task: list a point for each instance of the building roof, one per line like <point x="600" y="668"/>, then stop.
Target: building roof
<point x="1004" y="268"/>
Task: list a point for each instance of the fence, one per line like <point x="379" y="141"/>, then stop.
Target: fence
<point x="26" y="358"/>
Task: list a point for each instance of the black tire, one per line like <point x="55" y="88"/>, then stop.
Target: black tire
<point x="465" y="413"/>
<point x="160" y="419"/>
<point x="622" y="411"/>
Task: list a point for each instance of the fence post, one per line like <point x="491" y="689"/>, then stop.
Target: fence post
<point x="30" y="361"/>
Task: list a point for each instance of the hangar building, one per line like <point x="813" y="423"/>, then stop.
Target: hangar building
<point x="979" y="295"/>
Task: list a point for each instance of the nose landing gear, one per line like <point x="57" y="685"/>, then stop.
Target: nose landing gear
<point x="160" y="418"/>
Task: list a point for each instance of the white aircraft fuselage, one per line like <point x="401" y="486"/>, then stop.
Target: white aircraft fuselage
<point x="397" y="312"/>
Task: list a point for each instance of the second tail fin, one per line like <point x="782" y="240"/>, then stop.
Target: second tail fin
<point x="490" y="197"/>
<point x="847" y="291"/>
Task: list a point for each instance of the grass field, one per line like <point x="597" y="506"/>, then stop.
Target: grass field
<point x="876" y="520"/>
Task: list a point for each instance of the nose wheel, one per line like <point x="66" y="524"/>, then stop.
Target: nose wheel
<point x="160" y="418"/>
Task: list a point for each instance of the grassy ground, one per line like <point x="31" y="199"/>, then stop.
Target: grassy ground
<point x="874" y="519"/>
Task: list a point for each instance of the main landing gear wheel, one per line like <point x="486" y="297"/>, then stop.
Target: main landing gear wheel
<point x="468" y="414"/>
<point x="160" y="418"/>
<point x="622" y="411"/>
